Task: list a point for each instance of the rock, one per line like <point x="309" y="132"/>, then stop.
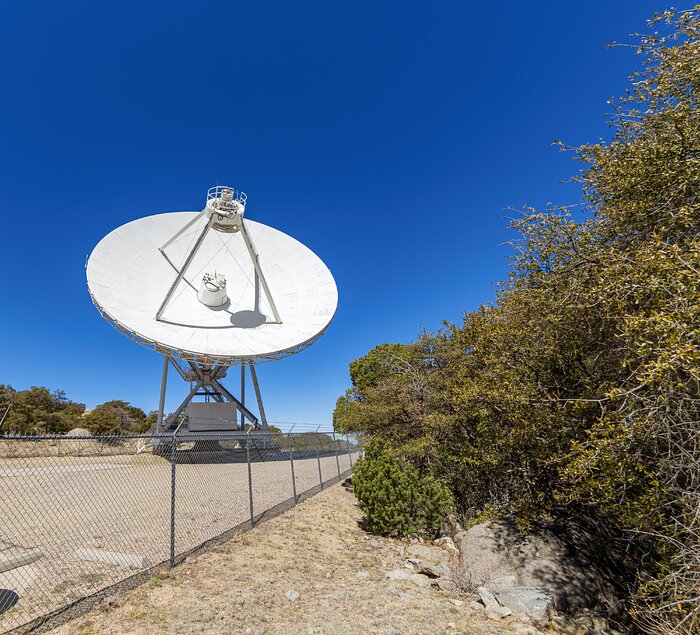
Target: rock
<point x="406" y="575"/>
<point x="79" y="432"/>
<point x="446" y="543"/>
<point x="451" y="526"/>
<point x="476" y="606"/>
<point x="392" y="589"/>
<point x="445" y="571"/>
<point x="457" y="602"/>
<point x="525" y="629"/>
<point x="401" y="550"/>
<point x="502" y="583"/>
<point x="293" y="596"/>
<point x="534" y="601"/>
<point x="488" y="598"/>
<point x="428" y="554"/>
<point x="445" y="585"/>
<point x="498" y="612"/>
<point x="483" y="555"/>
<point x="571" y="585"/>
<point x="428" y="569"/>
<point x="414" y="561"/>
<point x="498" y="557"/>
<point x="362" y="575"/>
<point x="375" y="544"/>
<point x="420" y="580"/>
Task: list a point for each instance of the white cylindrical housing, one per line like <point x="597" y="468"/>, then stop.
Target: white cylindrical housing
<point x="226" y="206"/>
<point x="212" y="291"/>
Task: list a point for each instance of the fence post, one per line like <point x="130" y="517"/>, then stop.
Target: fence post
<point x="347" y="440"/>
<point x="337" y="461"/>
<point x="173" y="463"/>
<point x="291" y="460"/>
<point x="250" y="479"/>
<point x="318" y="459"/>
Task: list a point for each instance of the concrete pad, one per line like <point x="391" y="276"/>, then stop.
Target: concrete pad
<point x="133" y="561"/>
<point x="8" y="563"/>
<point x="19" y="579"/>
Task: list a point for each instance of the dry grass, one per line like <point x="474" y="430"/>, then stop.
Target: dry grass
<point x="121" y="504"/>
<point x="315" y="549"/>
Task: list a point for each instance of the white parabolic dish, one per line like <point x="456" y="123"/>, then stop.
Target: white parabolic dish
<point x="128" y="278"/>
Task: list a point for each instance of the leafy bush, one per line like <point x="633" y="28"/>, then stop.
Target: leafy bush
<point x="577" y="393"/>
<point x="395" y="497"/>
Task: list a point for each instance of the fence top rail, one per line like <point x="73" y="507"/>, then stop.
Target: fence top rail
<point x="218" y="436"/>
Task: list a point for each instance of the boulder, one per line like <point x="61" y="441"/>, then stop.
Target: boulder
<point x="434" y="555"/>
<point x="503" y="582"/>
<point x="496" y="556"/>
<point x="572" y="585"/>
<point x="534" y="601"/>
<point x="483" y="555"/>
<point x="487" y="598"/>
<point x="79" y="432"/>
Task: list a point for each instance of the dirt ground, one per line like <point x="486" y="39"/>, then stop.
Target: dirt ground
<point x="316" y="550"/>
<point x="57" y="506"/>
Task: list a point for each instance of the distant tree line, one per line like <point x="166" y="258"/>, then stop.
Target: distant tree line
<point x="577" y="394"/>
<point x="39" y="411"/>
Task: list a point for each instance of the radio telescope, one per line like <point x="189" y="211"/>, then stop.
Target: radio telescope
<point x="211" y="290"/>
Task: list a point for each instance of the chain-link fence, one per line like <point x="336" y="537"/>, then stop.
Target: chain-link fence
<point x="81" y="515"/>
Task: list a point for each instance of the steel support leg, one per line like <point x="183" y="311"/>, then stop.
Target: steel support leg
<point x="183" y="269"/>
<point x="183" y="405"/>
<point x="161" y="402"/>
<point x="256" y="263"/>
<point x="181" y="231"/>
<point x="241" y="408"/>
<point x="258" y="396"/>
<point x="243" y="395"/>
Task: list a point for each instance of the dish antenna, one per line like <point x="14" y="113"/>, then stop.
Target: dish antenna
<point x="211" y="290"/>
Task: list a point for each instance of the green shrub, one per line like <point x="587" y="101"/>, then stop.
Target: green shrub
<point x="396" y="498"/>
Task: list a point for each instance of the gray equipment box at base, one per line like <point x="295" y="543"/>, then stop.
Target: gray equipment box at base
<point x="211" y="416"/>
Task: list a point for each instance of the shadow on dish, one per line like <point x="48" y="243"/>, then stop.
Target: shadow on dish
<point x="247" y="319"/>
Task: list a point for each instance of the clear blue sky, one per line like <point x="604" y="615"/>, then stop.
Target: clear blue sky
<point x="389" y="137"/>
